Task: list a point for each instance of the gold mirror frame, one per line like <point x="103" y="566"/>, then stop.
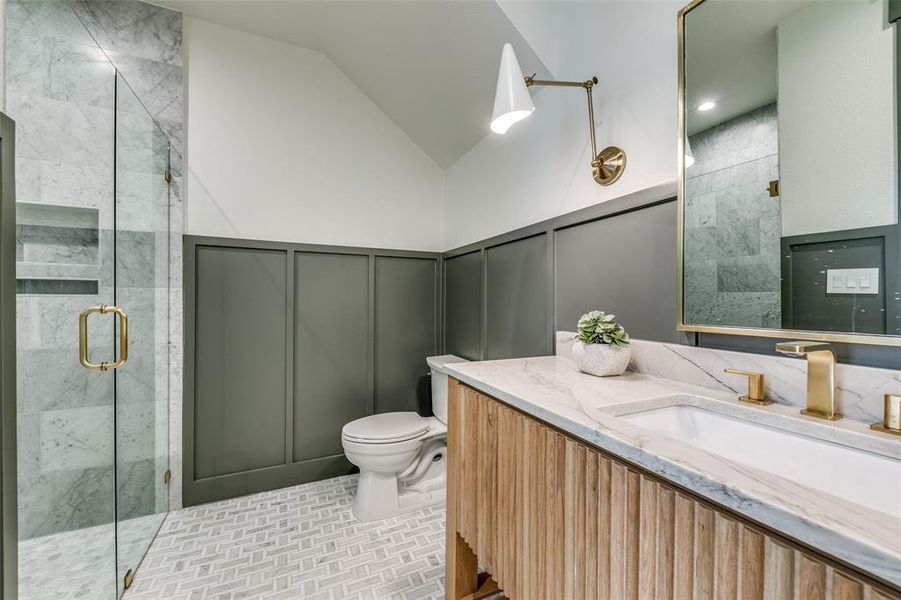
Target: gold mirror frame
<point x="848" y="338"/>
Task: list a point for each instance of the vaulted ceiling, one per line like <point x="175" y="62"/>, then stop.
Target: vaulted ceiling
<point x="740" y="75"/>
<point x="430" y="65"/>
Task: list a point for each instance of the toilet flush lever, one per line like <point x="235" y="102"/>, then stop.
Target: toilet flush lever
<point x="755" y="393"/>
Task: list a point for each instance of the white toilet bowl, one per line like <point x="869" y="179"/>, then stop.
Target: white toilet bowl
<point x="401" y="460"/>
<point x="401" y="455"/>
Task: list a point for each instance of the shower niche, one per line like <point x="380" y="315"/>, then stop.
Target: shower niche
<point x="57" y="235"/>
<point x="57" y="250"/>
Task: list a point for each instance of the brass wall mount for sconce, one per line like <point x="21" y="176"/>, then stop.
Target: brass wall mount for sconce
<point x="512" y="103"/>
<point x="607" y="165"/>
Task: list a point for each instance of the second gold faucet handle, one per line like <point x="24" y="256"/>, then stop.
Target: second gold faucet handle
<point x="891" y="422"/>
<point x="756" y="393"/>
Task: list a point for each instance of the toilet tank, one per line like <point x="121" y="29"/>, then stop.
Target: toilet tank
<point x="439" y="383"/>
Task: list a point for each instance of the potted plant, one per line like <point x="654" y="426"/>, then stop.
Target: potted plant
<point x="602" y="345"/>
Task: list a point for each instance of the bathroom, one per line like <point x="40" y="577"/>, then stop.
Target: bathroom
<point x="450" y="299"/>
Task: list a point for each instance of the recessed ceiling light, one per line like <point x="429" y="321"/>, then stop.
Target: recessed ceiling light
<point x="705" y="106"/>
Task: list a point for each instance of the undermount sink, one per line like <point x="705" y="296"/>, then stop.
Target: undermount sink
<point x="867" y="478"/>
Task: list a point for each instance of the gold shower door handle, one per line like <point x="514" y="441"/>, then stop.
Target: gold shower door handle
<point x="83" y="337"/>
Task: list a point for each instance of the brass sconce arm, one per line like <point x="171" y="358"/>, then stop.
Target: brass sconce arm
<point x="607" y="166"/>
<point x="530" y="81"/>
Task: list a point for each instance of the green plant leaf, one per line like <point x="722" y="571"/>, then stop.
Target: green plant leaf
<point x="598" y="327"/>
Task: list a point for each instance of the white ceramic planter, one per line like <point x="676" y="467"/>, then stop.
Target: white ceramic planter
<point x="603" y="360"/>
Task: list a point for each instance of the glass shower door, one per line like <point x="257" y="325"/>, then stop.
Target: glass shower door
<point x="142" y="291"/>
<point x="65" y="262"/>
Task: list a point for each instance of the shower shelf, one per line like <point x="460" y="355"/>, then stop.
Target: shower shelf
<point x="57" y="234"/>
<point x="56" y="287"/>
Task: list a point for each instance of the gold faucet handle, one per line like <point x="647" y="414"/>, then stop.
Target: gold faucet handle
<point x="755" y="393"/>
<point x="891" y="421"/>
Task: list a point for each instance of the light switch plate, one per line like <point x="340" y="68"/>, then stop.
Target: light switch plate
<point x="852" y="281"/>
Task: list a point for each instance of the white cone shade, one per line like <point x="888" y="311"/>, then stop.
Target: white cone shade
<point x="689" y="156"/>
<point x="512" y="101"/>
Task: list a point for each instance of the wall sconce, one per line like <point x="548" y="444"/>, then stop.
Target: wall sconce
<point x="513" y="103"/>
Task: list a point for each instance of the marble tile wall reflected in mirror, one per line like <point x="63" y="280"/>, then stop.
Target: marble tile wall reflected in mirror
<point x="732" y="226"/>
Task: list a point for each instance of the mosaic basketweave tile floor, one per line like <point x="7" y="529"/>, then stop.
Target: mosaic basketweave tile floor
<point x="295" y="543"/>
<point x="81" y="562"/>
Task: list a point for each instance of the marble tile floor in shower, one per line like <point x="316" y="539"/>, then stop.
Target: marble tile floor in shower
<point x="301" y="542"/>
<point x="81" y="564"/>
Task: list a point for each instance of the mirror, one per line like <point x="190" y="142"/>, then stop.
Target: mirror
<point x="789" y="160"/>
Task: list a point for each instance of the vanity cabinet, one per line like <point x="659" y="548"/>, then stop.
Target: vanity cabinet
<point x="551" y="517"/>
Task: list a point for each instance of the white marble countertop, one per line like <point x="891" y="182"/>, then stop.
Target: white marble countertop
<point x="553" y="390"/>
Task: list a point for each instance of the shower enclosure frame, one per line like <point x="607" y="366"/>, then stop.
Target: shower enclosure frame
<point x="9" y="580"/>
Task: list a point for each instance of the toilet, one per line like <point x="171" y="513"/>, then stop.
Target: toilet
<point x="401" y="455"/>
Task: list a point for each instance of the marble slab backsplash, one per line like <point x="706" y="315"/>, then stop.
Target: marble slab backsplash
<point x="859" y="390"/>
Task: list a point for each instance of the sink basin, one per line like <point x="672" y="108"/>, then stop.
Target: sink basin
<point x="860" y="476"/>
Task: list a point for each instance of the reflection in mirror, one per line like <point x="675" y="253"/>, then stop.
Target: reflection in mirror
<point x="790" y="184"/>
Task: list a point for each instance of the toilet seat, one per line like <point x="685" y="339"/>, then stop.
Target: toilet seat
<point x="386" y="428"/>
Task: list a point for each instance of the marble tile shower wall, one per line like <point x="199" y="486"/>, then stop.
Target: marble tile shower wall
<point x="732" y="226"/>
<point x="60" y="91"/>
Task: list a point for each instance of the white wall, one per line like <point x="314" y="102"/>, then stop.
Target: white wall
<point x="540" y="169"/>
<point x="836" y="118"/>
<point x="283" y="146"/>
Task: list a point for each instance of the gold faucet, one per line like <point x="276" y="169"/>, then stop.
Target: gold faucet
<point x="891" y="421"/>
<point x="820" y="377"/>
<point x="755" y="393"/>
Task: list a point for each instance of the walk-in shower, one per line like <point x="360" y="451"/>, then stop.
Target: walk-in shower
<point x="92" y="229"/>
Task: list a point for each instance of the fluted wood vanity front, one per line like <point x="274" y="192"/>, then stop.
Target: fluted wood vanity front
<point x="552" y="517"/>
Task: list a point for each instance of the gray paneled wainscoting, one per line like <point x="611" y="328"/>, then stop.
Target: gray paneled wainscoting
<point x="505" y="296"/>
<point x="807" y="305"/>
<point x="517" y="298"/>
<point x="285" y="343"/>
